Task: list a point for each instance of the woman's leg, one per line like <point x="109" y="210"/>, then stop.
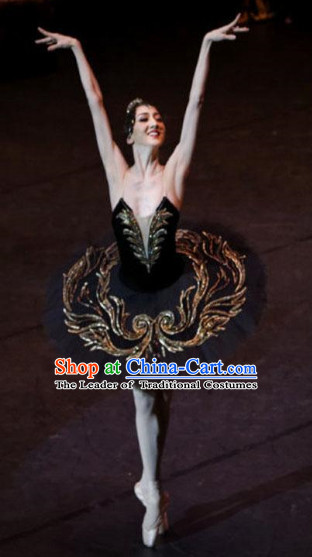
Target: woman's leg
<point x="152" y="419"/>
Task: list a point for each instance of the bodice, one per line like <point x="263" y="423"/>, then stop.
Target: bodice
<point x="147" y="246"/>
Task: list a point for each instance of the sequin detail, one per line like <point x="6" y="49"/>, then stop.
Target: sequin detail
<point x="103" y="323"/>
<point x="156" y="236"/>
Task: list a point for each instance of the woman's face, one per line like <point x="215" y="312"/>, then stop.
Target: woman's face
<point x="148" y="127"/>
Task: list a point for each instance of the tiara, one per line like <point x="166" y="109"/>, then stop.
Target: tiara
<point x="133" y="103"/>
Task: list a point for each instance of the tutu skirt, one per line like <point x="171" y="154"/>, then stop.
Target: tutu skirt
<point x="94" y="317"/>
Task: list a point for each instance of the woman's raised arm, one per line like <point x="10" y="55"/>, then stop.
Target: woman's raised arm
<point x="181" y="158"/>
<point x="114" y="163"/>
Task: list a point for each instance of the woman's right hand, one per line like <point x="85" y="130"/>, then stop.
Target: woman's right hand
<point x="53" y="41"/>
<point x="227" y="32"/>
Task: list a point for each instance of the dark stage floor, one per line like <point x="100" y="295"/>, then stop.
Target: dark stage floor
<point x="238" y="465"/>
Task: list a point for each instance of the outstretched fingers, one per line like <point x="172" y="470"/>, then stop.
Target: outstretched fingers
<point x="45" y="32"/>
<point x="49" y="39"/>
<point x="46" y="40"/>
<point x="235" y="21"/>
<point x="240" y="29"/>
<point x="233" y="27"/>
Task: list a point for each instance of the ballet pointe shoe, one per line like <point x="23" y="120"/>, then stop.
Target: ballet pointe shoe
<point x="155" y="519"/>
<point x="164" y="526"/>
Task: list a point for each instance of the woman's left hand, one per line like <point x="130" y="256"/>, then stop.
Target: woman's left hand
<point x="227" y="32"/>
<point x="53" y="41"/>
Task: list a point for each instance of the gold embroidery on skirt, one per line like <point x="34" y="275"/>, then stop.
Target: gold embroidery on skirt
<point x="204" y="308"/>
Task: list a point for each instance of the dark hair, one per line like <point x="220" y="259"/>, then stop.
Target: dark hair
<point x="130" y="114"/>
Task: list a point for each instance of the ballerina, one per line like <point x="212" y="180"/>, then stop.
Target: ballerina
<point x="146" y="199"/>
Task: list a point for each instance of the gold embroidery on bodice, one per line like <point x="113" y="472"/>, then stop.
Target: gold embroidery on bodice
<point x="145" y="240"/>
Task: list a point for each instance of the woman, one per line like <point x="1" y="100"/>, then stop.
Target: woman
<point x="146" y="199"/>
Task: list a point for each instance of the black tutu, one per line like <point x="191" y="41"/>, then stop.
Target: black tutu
<point x="92" y="316"/>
